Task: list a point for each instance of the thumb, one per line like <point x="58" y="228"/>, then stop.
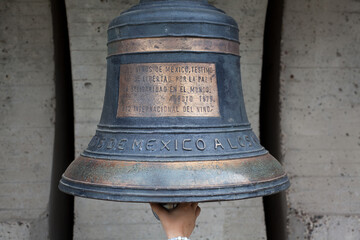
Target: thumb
<point x="197" y="211"/>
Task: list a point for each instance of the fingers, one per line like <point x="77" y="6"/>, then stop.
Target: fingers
<point x="194" y="205"/>
<point x="158" y="209"/>
<point x="162" y="212"/>
<point x="184" y="205"/>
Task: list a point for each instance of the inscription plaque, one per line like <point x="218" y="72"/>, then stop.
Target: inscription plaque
<point x="168" y="90"/>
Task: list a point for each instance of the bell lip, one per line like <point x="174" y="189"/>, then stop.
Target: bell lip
<point x="175" y="196"/>
<point x="272" y="179"/>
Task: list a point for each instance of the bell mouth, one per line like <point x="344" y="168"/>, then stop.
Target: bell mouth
<point x="173" y="182"/>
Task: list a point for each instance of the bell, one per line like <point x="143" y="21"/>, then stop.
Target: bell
<point x="173" y="127"/>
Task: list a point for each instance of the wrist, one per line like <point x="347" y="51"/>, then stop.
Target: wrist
<point x="174" y="234"/>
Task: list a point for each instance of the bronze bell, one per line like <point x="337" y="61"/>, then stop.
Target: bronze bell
<point x="173" y="127"/>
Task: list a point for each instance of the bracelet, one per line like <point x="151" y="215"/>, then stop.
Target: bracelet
<point x="179" y="238"/>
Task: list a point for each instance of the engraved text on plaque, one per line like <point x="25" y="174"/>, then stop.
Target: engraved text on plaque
<point x="168" y="90"/>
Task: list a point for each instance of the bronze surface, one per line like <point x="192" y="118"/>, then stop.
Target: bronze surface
<point x="174" y="175"/>
<point x="174" y="126"/>
<point x="173" y="44"/>
<point x="168" y="90"/>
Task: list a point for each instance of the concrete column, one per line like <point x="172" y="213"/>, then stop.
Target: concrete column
<point x="320" y="117"/>
<point x="96" y="219"/>
<point x="26" y="117"/>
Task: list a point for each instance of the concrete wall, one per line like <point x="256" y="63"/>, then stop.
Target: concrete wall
<point x="320" y="114"/>
<point x="320" y="119"/>
<point x="109" y="220"/>
<point x="26" y="117"/>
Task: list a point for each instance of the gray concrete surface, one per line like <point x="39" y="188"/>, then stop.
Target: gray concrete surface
<point x="320" y="118"/>
<point x="107" y="220"/>
<point x="26" y="117"/>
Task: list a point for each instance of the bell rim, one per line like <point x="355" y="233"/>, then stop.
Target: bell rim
<point x="175" y="196"/>
<point x="173" y="182"/>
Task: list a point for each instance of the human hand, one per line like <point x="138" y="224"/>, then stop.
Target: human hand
<point x="179" y="221"/>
